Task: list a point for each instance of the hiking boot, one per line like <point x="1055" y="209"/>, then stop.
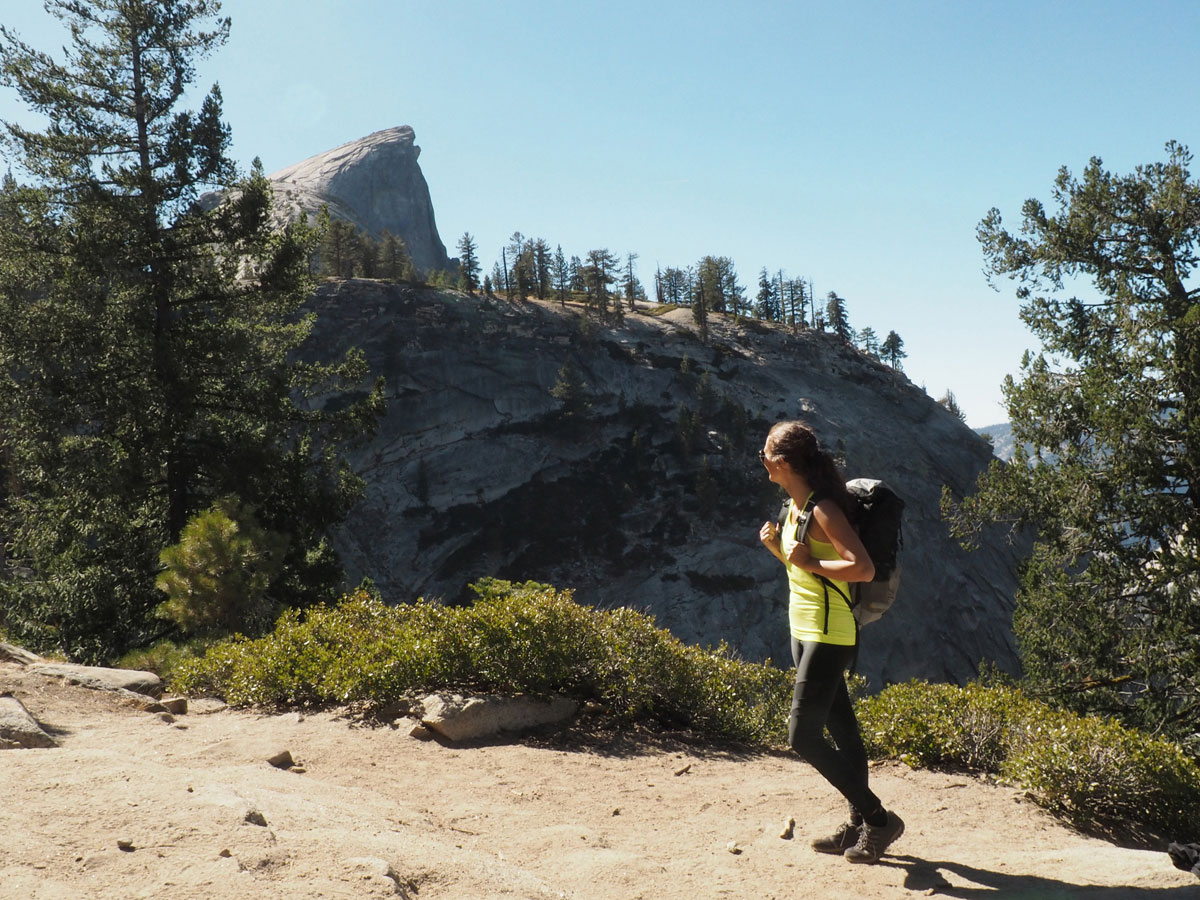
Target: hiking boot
<point x="873" y="840"/>
<point x="840" y="841"/>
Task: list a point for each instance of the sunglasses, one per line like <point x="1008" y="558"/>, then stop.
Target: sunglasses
<point x="762" y="456"/>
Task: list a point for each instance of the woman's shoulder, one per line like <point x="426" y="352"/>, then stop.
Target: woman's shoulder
<point x="827" y="508"/>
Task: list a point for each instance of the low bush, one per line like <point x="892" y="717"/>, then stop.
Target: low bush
<point x="1092" y="772"/>
<point x="516" y="638"/>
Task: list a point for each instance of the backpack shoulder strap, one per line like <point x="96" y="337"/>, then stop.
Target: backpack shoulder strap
<point x="805" y="519"/>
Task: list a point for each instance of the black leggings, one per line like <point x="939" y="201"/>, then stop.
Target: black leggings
<point x="820" y="700"/>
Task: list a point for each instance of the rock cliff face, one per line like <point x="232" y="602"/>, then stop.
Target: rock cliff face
<point x="374" y="183"/>
<point x="651" y="494"/>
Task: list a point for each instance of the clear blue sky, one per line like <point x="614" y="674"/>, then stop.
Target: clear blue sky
<point x="855" y="144"/>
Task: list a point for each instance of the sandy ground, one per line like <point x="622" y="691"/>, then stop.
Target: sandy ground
<point x="132" y="806"/>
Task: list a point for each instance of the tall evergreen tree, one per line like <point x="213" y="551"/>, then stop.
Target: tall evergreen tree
<point x="394" y="261"/>
<point x="700" y="305"/>
<point x="562" y="275"/>
<point x="676" y="285"/>
<point x="1108" y="611"/>
<point x="892" y="350"/>
<point x="630" y="286"/>
<point x="367" y="262"/>
<point x="468" y="262"/>
<point x="543" y="268"/>
<point x="836" y="317"/>
<point x="767" y="299"/>
<point x="147" y="343"/>
<point x="868" y="340"/>
<point x="598" y="276"/>
<point x="339" y="247"/>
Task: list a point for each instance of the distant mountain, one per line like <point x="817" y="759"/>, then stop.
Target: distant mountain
<point x="1002" y="439"/>
<point x="375" y="183"/>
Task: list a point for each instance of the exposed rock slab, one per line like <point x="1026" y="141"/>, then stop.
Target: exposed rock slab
<point x="12" y="653"/>
<point x="101" y="678"/>
<point x="18" y="729"/>
<point x="459" y="718"/>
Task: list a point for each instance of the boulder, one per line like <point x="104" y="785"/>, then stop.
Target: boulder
<point x="18" y="729"/>
<point x="458" y="718"/>
<point x="101" y="678"/>
<point x="12" y="653"/>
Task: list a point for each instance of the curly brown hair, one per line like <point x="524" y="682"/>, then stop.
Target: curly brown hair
<point x="796" y="444"/>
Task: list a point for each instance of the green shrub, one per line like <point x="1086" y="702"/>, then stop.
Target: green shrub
<point x="216" y="577"/>
<point x="1105" y="777"/>
<point x="943" y="725"/>
<point x="1094" y="773"/>
<point x="516" y="638"/>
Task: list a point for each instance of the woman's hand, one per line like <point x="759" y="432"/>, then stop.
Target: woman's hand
<point x="769" y="535"/>
<point x="801" y="556"/>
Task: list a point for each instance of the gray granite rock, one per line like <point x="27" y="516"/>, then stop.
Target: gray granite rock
<point x="102" y="678"/>
<point x="12" y="653"/>
<point x="18" y="729"/>
<point x="471" y="475"/>
<point x="374" y="183"/>
<point x="459" y="718"/>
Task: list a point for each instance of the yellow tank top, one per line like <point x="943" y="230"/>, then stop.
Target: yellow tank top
<point x="806" y="602"/>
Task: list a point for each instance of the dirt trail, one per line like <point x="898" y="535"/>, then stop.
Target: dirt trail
<point x="132" y="806"/>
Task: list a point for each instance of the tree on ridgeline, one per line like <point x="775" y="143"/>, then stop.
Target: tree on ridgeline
<point x="562" y="276"/>
<point x="837" y="318"/>
<point x="574" y="268"/>
<point x="367" y="256"/>
<point x="521" y="274"/>
<point x="722" y="290"/>
<point x="950" y="402"/>
<point x="394" y="262"/>
<point x="766" y="300"/>
<point x="892" y="351"/>
<point x="339" y="246"/>
<point x="868" y="342"/>
<point x="147" y="342"/>
<point x="468" y="262"/>
<point x="676" y="286"/>
<point x="598" y="275"/>
<point x="543" y="268"/>
<point x="1109" y="605"/>
<point x="700" y="307"/>
<point x="631" y="287"/>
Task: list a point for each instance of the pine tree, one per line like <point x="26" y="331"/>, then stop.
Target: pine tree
<point x="598" y="275"/>
<point x="394" y="262"/>
<point x="562" y="275"/>
<point x="892" y="350"/>
<point x="767" y="299"/>
<point x="630" y="286"/>
<point x="367" y="260"/>
<point x="700" y="306"/>
<point x="468" y="262"/>
<point x="835" y="316"/>
<point x="1108" y="611"/>
<point x="147" y="342"/>
<point x="339" y="247"/>
<point x="950" y="402"/>
<point x="543" y="267"/>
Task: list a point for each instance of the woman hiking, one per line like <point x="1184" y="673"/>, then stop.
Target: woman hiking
<point x="821" y="561"/>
